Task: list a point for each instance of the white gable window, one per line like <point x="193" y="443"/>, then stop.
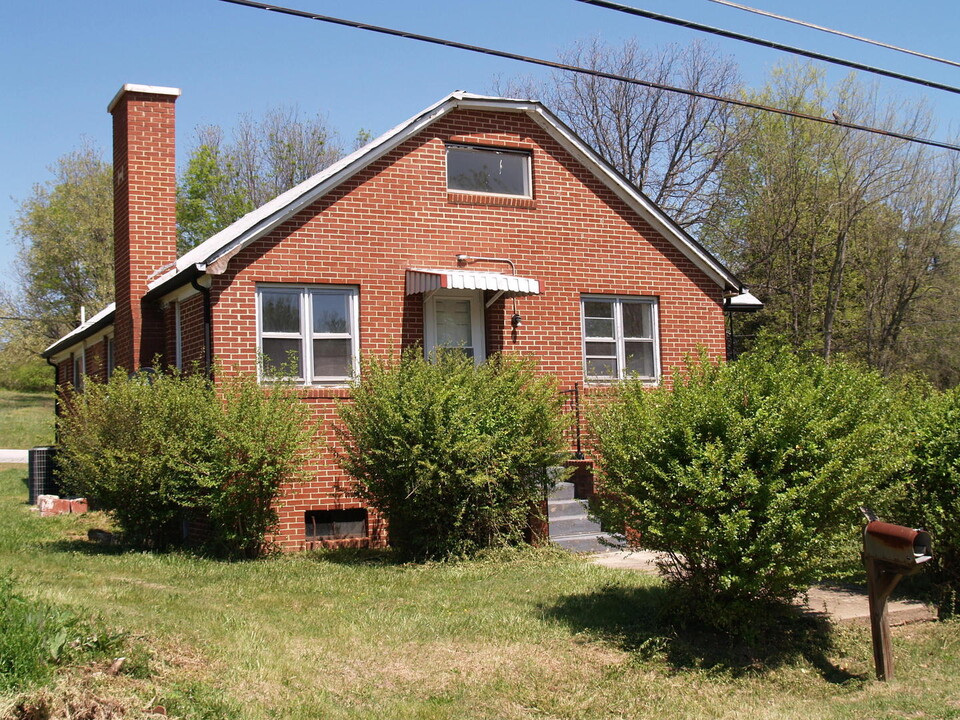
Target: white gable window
<point x="620" y="338"/>
<point x="488" y="170"/>
<point x="308" y="333"/>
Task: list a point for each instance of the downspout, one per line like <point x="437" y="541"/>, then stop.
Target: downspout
<point x="207" y="328"/>
<point x="56" y="400"/>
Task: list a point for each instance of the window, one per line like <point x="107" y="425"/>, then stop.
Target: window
<point x="79" y="369"/>
<point x="335" y="524"/>
<point x="485" y="170"/>
<point x="454" y="319"/>
<point x="620" y="338"/>
<point x="308" y="333"/>
<point x="111" y="363"/>
<point x="178" y="337"/>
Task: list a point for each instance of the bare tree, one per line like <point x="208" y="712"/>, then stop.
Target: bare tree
<point x="667" y="144"/>
<point x="224" y="179"/>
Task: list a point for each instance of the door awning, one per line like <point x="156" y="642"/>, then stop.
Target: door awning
<point x="422" y="281"/>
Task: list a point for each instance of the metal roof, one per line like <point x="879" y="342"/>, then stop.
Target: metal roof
<point x="99" y="321"/>
<point x="420" y="280"/>
<point x="213" y="255"/>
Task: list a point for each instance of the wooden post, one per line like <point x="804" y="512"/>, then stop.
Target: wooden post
<point x="880" y="583"/>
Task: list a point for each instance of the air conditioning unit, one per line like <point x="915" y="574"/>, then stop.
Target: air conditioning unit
<point x="40" y="461"/>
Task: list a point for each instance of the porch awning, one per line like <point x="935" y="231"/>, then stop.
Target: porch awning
<point x="420" y="280"/>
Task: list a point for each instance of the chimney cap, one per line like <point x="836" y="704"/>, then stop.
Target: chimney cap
<point x="132" y="87"/>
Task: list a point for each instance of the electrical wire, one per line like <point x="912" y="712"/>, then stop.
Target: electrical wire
<point x="850" y="36"/>
<point x="587" y="71"/>
<point x="607" y="5"/>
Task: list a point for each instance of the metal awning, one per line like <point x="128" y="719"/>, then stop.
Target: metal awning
<point x="423" y="281"/>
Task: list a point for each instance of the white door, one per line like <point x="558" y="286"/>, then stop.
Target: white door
<point x="454" y="319"/>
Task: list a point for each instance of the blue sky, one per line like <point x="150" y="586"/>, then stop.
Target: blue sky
<point x="63" y="60"/>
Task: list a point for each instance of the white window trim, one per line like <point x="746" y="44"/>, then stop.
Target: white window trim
<point x="477" y="329"/>
<point x="527" y="177"/>
<point x="79" y="369"/>
<point x="306" y="334"/>
<point x="619" y="339"/>
<point x="178" y="337"/>
<point x="109" y="348"/>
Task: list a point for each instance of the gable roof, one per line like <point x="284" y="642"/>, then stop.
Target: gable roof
<point x="213" y="255"/>
<point x="93" y="324"/>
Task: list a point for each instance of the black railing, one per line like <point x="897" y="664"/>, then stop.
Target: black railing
<point x="572" y="405"/>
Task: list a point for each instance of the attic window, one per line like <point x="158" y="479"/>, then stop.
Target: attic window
<point x="488" y="171"/>
<point x="335" y="524"/>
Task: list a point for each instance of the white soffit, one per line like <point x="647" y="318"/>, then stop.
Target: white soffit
<point x="423" y="280"/>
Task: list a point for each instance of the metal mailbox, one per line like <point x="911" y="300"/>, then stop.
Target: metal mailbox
<point x="902" y="547"/>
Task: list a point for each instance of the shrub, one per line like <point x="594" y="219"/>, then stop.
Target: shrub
<point x="748" y="475"/>
<point x="452" y="454"/>
<point x="153" y="448"/>
<point x="933" y="496"/>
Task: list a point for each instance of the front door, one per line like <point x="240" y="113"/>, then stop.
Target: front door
<point x="454" y="319"/>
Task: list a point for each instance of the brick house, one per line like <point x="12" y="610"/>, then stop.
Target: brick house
<point x="481" y="222"/>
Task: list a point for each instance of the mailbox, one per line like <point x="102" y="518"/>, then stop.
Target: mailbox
<point x="896" y="545"/>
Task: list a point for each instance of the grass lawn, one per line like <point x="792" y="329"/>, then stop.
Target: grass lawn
<point x="26" y="419"/>
<point x="523" y="635"/>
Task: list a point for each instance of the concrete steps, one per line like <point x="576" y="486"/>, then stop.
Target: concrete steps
<point x="570" y="526"/>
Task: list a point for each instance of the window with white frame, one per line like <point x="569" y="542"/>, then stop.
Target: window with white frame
<point x="178" y="337"/>
<point x="488" y="170"/>
<point x="79" y="369"/>
<point x="111" y="363"/>
<point x="620" y="337"/>
<point x="308" y="333"/>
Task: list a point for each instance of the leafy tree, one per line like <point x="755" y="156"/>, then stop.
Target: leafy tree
<point x="265" y="157"/>
<point x="846" y="236"/>
<point x="454" y="455"/>
<point x="65" y="233"/>
<point x="748" y="475"/>
<point x="671" y="146"/>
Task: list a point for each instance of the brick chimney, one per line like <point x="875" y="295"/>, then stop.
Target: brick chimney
<point x="144" y="214"/>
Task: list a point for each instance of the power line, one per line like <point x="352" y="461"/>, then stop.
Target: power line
<point x="587" y="71"/>
<point x="606" y="4"/>
<point x="850" y="36"/>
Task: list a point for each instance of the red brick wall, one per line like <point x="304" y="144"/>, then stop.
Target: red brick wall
<point x="144" y="218"/>
<point x="575" y="237"/>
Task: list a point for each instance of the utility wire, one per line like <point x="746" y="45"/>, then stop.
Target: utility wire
<point x="587" y="71"/>
<point x="606" y="4"/>
<point x="850" y="36"/>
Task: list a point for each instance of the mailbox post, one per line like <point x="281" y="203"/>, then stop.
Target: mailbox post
<point x="889" y="553"/>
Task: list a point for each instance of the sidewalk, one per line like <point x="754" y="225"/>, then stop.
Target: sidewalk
<point x="846" y="604"/>
<point x="13" y="456"/>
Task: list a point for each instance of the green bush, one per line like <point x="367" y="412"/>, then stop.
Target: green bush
<point x="748" y="475"/>
<point x="453" y="455"/>
<point x="932" y="500"/>
<point x="35" y="638"/>
<point x="156" y="449"/>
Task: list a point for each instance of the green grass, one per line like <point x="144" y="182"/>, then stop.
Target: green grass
<point x="515" y="635"/>
<point x="26" y="419"/>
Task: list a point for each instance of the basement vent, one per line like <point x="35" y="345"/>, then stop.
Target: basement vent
<point x="335" y="524"/>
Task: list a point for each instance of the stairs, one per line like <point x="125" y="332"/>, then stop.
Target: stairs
<point x="570" y="527"/>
